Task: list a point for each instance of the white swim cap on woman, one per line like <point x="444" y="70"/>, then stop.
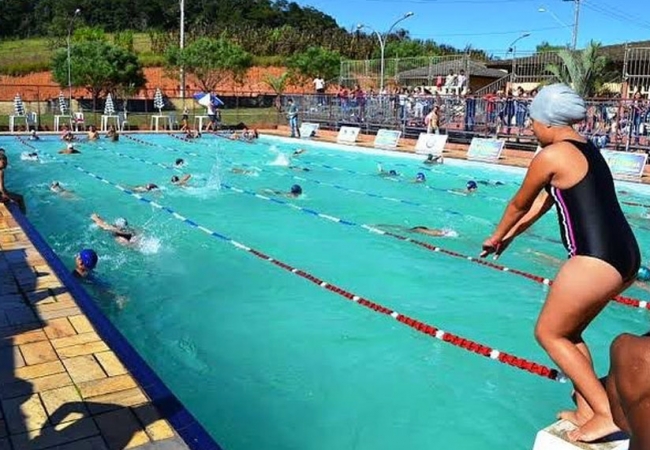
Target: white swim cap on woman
<point x="558" y="105"/>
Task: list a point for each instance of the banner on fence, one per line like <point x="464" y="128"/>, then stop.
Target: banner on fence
<point x="431" y="144"/>
<point x="625" y="165"/>
<point x="485" y="149"/>
<point x="387" y="138"/>
<point x="348" y="135"/>
<point x="308" y="130"/>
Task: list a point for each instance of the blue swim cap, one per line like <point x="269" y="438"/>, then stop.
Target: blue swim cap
<point x="420" y="176"/>
<point x="89" y="258"/>
<point x="392" y="172"/>
<point x="643" y="274"/>
<point x="472" y="185"/>
<point x="296" y="189"/>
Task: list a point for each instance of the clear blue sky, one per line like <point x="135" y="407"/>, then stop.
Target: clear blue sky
<point x="492" y="25"/>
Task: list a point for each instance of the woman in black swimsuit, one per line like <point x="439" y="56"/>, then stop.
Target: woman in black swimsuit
<point x="604" y="256"/>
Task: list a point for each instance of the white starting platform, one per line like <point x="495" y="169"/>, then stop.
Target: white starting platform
<point x="554" y="437"/>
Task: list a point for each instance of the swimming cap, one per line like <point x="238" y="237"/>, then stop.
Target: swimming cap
<point x="392" y="172"/>
<point x="643" y="274"/>
<point x="472" y="185"/>
<point x="55" y="184"/>
<point x="558" y="105"/>
<point x="420" y="176"/>
<point x="179" y="161"/>
<point x="175" y="179"/>
<point x="121" y="222"/>
<point x="89" y="258"/>
<point x="70" y="146"/>
<point x="296" y="189"/>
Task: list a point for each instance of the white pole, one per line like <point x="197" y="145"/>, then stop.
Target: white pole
<point x="76" y="13"/>
<point x="576" y="21"/>
<point x="182" y="45"/>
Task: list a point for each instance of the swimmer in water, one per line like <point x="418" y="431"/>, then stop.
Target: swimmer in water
<point x="383" y="173"/>
<point x="146" y="188"/>
<point x="294" y="192"/>
<point x="34" y="136"/>
<point x="470" y="188"/>
<point x="420" y="178"/>
<point x="240" y="171"/>
<point x="421" y="229"/>
<point x="180" y="181"/>
<point x="431" y="160"/>
<point x="29" y="156"/>
<point x="572" y="173"/>
<point x="69" y="150"/>
<point x="180" y="162"/>
<point x="120" y="230"/>
<point x="93" y="135"/>
<point x="299" y="151"/>
<point x="84" y="263"/>
<point x="58" y="189"/>
<point x="490" y="183"/>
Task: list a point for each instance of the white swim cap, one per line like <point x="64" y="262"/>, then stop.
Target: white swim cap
<point x="558" y="105"/>
<point x="70" y="146"/>
<point x="121" y="222"/>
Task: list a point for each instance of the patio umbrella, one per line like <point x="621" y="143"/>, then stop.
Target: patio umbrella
<point x="206" y="99"/>
<point x="109" y="109"/>
<point x="62" y="105"/>
<point x="19" y="107"/>
<point x="158" y="101"/>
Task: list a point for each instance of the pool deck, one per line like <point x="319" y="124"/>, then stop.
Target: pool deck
<point x="61" y="385"/>
<point x="516" y="158"/>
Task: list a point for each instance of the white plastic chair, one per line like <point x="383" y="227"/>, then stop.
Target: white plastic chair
<point x="122" y="120"/>
<point x="79" y="120"/>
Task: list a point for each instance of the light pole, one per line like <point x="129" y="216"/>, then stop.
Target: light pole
<point x="382" y="45"/>
<point x="76" y="13"/>
<point x="182" y="45"/>
<point x="512" y="48"/>
<point x="574" y="34"/>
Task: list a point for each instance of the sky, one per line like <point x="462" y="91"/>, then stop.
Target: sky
<point x="493" y="25"/>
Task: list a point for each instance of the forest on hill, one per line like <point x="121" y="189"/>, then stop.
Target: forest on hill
<point x="264" y="28"/>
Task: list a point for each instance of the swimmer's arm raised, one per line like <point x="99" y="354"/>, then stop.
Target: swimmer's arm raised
<point x="539" y="174"/>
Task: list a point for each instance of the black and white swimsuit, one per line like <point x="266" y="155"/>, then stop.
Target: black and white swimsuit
<point x="591" y="220"/>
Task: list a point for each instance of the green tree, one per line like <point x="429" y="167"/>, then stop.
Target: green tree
<point x="585" y="70"/>
<point x="316" y="61"/>
<point x="279" y="85"/>
<point x="211" y="61"/>
<point x="545" y="46"/>
<point x="98" y="66"/>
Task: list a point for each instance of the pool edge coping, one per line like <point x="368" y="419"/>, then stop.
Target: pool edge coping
<point x="170" y="408"/>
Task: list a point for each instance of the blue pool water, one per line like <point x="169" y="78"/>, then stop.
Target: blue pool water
<point x="264" y="358"/>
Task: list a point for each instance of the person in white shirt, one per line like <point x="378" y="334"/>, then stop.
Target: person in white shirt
<point x="319" y="85"/>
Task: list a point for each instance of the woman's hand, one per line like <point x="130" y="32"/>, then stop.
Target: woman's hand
<point x="493" y="246"/>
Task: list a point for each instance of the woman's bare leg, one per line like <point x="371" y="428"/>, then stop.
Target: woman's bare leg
<point x="582" y="288"/>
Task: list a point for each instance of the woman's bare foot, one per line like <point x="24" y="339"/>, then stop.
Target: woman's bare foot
<point x="595" y="428"/>
<point x="575" y="417"/>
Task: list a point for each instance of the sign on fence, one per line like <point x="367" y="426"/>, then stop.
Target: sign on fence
<point x="625" y="165"/>
<point x="308" y="130"/>
<point x="431" y="144"/>
<point x="387" y="138"/>
<point x="348" y="135"/>
<point x="485" y="149"/>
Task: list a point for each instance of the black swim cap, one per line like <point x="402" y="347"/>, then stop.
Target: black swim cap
<point x="296" y="189"/>
<point x="175" y="179"/>
<point x="179" y="161"/>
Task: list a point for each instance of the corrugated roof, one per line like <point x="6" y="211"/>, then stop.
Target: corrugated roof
<point x="474" y="68"/>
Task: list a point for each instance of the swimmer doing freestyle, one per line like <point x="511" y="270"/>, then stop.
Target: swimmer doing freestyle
<point x="604" y="256"/>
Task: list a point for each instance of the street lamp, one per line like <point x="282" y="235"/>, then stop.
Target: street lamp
<point x="512" y="48"/>
<point x="574" y="34"/>
<point x="382" y="44"/>
<point x="74" y="16"/>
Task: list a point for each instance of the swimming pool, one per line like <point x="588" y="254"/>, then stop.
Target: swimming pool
<point x="265" y="357"/>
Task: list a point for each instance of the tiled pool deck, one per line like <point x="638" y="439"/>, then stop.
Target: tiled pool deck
<point x="61" y="385"/>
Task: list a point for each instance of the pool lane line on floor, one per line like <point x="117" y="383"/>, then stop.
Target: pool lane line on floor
<point x="627" y="301"/>
<point x="422" y="327"/>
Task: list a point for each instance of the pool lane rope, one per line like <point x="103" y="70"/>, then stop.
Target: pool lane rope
<point x="421" y="327"/>
<point x="627" y="301"/>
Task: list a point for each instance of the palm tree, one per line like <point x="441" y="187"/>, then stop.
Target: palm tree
<point x="585" y="70"/>
<point x="278" y="85"/>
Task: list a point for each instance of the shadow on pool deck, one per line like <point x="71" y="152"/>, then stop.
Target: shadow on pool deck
<point x="60" y="385"/>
